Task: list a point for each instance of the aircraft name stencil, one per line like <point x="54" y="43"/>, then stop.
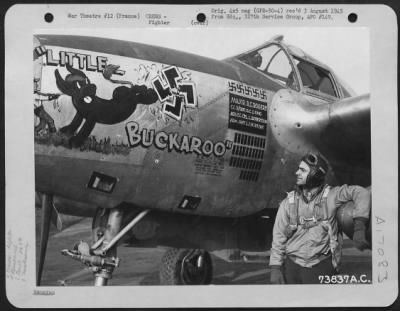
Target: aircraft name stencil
<point x="174" y="141"/>
<point x="84" y="61"/>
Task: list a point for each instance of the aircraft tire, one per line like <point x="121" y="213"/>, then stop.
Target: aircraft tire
<point x="178" y="269"/>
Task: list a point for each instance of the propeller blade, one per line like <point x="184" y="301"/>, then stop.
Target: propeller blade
<point x="47" y="208"/>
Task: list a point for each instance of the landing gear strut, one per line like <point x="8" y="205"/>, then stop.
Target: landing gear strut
<point x="102" y="255"/>
<point x="186" y="267"/>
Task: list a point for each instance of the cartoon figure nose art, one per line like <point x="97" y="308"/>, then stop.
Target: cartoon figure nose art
<point x="93" y="109"/>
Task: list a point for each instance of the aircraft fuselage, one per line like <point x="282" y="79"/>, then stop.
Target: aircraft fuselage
<point x="161" y="130"/>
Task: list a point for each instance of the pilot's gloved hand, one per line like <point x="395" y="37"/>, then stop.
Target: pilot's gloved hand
<point x="276" y="275"/>
<point x="359" y="236"/>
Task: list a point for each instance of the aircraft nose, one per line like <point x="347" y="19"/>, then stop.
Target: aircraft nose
<point x="296" y="122"/>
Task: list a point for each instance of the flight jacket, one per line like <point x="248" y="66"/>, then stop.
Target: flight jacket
<point x="307" y="246"/>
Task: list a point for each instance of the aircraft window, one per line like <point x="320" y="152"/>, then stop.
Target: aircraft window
<point x="267" y="55"/>
<point x="272" y="61"/>
<point x="279" y="66"/>
<point x="315" y="78"/>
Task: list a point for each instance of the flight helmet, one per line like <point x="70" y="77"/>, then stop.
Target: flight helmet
<point x="318" y="170"/>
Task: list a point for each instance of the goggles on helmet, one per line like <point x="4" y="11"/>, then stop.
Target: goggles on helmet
<point x="312" y="159"/>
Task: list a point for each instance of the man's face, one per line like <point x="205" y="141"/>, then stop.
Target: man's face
<point x="257" y="60"/>
<point x="302" y="173"/>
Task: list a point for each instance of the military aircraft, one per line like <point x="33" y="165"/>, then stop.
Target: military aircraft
<point x="168" y="148"/>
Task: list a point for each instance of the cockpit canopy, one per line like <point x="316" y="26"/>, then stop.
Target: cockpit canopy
<point x="294" y="69"/>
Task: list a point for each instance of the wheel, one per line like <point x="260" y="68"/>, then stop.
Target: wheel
<point x="182" y="266"/>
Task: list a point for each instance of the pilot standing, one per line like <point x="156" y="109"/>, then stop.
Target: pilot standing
<point x="306" y="242"/>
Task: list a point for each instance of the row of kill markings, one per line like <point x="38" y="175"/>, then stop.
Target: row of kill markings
<point x="247" y="152"/>
<point x="248" y="140"/>
<point x="245" y="163"/>
<point x="244" y="147"/>
<point x="249" y="175"/>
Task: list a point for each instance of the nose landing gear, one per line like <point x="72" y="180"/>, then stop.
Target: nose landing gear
<point x="101" y="257"/>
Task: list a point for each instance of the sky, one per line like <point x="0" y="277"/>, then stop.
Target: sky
<point x="345" y="50"/>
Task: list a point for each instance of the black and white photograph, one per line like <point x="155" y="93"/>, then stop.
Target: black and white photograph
<point x="200" y="159"/>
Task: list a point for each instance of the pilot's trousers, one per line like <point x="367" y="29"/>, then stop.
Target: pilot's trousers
<point x="296" y="274"/>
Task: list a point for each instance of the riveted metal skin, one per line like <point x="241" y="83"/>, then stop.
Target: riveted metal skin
<point x="296" y="122"/>
<point x="301" y="125"/>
